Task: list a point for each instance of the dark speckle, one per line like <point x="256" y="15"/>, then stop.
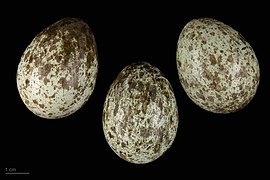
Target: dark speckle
<point x="210" y="98"/>
<point x="157" y="148"/>
<point x="63" y="83"/>
<point x="224" y="33"/>
<point x="26" y="102"/>
<point x="43" y="71"/>
<point x="46" y="80"/>
<point x="192" y="35"/>
<point x="240" y="73"/>
<point x="212" y="59"/>
<point x="153" y="93"/>
<point x="65" y="62"/>
<point x="27" y="67"/>
<point x="139" y="86"/>
<point x="113" y="129"/>
<point x="110" y="135"/>
<point x="26" y="82"/>
<point x="123" y="145"/>
<point x="199" y="95"/>
<point x="41" y="105"/>
<point x="230" y="58"/>
<point x="116" y="109"/>
<point x="145" y="132"/>
<point x="90" y="59"/>
<point x="132" y="85"/>
<point x="160" y="105"/>
<point x="122" y="155"/>
<point x="53" y="96"/>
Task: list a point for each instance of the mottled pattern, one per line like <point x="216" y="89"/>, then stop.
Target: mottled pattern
<point x="140" y="116"/>
<point x="57" y="72"/>
<point x="217" y="67"/>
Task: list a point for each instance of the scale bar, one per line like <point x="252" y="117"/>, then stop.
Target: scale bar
<point x="17" y="173"/>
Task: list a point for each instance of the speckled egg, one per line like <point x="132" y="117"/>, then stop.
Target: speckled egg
<point x="57" y="72"/>
<point x="217" y="67"/>
<point x="140" y="116"/>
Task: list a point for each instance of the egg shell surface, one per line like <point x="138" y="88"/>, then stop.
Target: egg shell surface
<point x="58" y="70"/>
<point x="140" y="116"/>
<point x="217" y="67"/>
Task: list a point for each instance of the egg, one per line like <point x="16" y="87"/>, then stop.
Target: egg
<point x="57" y="72"/>
<point x="217" y="67"/>
<point x="140" y="115"/>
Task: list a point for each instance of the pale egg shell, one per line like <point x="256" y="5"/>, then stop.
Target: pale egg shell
<point x="140" y="116"/>
<point x="57" y="72"/>
<point x="217" y="67"/>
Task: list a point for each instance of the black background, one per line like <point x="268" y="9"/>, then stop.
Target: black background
<point x="206" y="144"/>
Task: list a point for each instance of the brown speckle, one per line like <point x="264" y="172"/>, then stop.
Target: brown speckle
<point x="26" y="82"/>
<point x="210" y="98"/>
<point x="153" y="93"/>
<point x="41" y="105"/>
<point x="199" y="95"/>
<point x="212" y="59"/>
<point x="123" y="145"/>
<point x="230" y="58"/>
<point x="64" y="83"/>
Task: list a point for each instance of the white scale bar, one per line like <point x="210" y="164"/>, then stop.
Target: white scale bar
<point x="18" y="173"/>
